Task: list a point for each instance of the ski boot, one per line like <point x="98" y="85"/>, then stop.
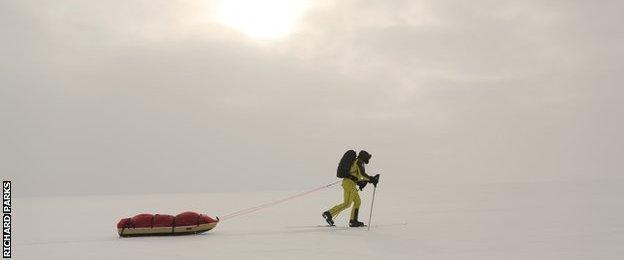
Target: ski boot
<point x="354" y="222"/>
<point x="328" y="217"/>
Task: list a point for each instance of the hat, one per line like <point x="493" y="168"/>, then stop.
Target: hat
<point x="364" y="156"/>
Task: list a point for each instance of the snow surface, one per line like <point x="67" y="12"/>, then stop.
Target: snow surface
<point x="541" y="220"/>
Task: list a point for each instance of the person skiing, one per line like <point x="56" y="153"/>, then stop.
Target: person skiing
<point x="356" y="176"/>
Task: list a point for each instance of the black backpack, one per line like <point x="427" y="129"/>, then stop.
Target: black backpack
<point x="344" y="167"/>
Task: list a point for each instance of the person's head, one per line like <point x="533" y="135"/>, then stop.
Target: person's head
<point x="364" y="156"/>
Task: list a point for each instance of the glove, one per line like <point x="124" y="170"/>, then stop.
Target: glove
<point x="374" y="180"/>
<point x="361" y="184"/>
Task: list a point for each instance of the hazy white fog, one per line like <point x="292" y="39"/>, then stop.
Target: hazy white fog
<point x="102" y="97"/>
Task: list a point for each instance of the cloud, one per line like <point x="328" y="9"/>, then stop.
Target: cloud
<point x="129" y="97"/>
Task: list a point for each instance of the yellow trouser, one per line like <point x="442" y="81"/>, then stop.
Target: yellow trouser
<point x="350" y="196"/>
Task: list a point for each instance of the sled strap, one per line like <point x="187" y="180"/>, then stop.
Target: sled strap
<point x="128" y="222"/>
<point x="173" y="225"/>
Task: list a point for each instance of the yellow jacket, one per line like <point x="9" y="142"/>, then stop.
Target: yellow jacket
<point x="357" y="172"/>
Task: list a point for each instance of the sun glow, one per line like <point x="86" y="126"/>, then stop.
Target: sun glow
<point x="265" y="19"/>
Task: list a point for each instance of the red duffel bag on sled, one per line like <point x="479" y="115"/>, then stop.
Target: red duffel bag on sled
<point x="151" y="225"/>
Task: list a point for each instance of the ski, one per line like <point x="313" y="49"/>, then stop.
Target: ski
<point x="347" y="227"/>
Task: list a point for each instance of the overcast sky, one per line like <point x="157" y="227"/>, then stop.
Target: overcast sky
<point x="103" y="97"/>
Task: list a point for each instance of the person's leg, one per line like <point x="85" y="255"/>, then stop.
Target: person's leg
<point x="355" y="197"/>
<point x="345" y="204"/>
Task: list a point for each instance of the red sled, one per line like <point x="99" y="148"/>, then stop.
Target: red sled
<point x="155" y="225"/>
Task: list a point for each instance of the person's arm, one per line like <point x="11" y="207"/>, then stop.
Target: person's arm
<point x="367" y="177"/>
<point x="362" y="177"/>
<point x="362" y="173"/>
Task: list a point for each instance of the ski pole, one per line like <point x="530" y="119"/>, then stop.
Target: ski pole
<point x="370" y="216"/>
